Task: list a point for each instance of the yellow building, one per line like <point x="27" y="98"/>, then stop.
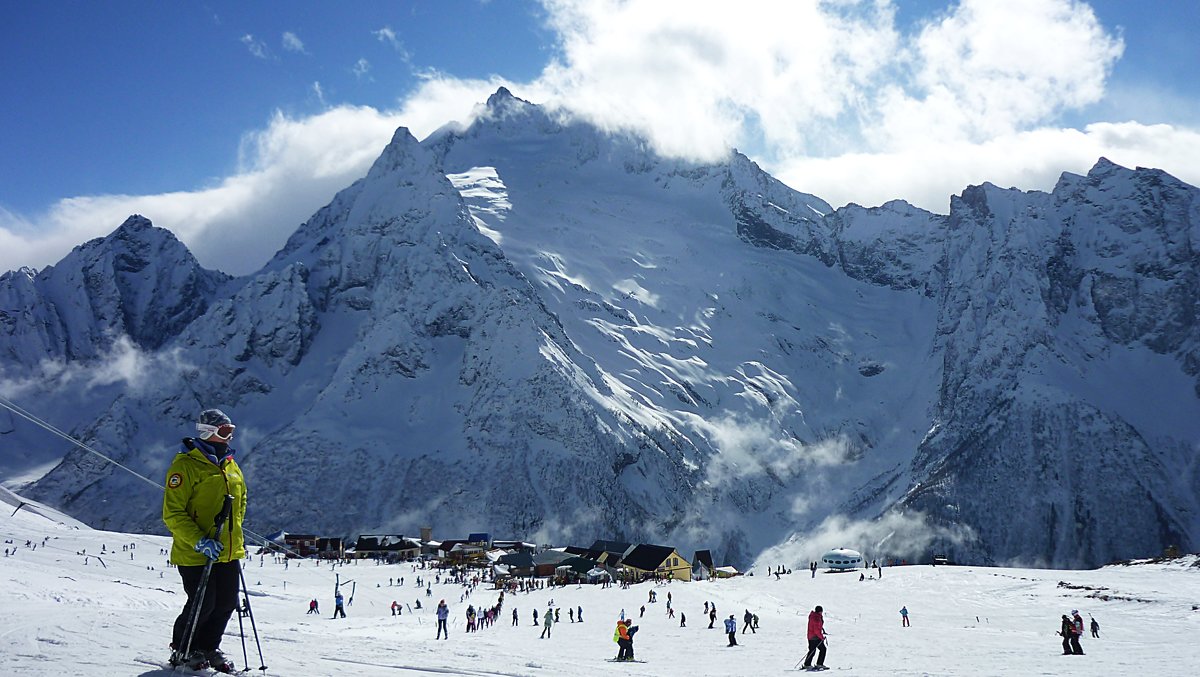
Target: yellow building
<point x="650" y="561"/>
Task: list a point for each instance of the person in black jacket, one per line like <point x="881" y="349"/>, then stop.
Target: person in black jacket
<point x="1065" y="631"/>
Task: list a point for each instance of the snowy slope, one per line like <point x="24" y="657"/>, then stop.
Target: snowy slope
<point x="66" y="613"/>
<point x="537" y="329"/>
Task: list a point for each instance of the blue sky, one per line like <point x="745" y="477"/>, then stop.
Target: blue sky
<point x="234" y="121"/>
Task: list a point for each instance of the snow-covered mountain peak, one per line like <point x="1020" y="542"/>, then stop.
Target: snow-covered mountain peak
<point x="139" y="281"/>
<point x="651" y="349"/>
<point x="402" y="156"/>
<point x="502" y="101"/>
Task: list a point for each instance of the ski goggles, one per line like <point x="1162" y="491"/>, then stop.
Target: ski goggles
<point x="222" y="433"/>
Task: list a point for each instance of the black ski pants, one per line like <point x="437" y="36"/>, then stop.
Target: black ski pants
<point x="1075" y="647"/>
<point x="220" y="599"/>
<point x="815" y="644"/>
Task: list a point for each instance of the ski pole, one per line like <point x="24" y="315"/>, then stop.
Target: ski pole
<point x="262" y="664"/>
<point x="242" y="635"/>
<point x="198" y="602"/>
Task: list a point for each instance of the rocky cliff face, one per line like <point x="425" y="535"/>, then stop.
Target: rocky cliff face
<point x="139" y="282"/>
<point x="537" y="329"/>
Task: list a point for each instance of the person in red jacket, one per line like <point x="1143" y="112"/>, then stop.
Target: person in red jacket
<point x="816" y="639"/>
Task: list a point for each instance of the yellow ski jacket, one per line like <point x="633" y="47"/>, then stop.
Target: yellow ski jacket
<point x="195" y="491"/>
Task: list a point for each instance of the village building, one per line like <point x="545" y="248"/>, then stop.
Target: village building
<point x="648" y="561"/>
<point x="389" y="547"/>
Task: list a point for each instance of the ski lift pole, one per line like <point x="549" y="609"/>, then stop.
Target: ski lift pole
<point x="198" y="600"/>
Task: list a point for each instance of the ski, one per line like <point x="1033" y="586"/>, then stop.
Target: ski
<point x="632" y="660"/>
<point x="167" y="668"/>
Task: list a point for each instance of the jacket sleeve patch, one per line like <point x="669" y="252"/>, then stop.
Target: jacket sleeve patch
<point x="174" y="480"/>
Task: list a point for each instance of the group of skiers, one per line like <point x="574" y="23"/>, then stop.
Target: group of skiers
<point x="1072" y="630"/>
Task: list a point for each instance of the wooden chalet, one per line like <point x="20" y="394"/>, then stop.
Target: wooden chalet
<point x="646" y="560"/>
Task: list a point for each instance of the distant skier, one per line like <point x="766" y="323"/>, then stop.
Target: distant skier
<point x="748" y="622"/>
<point x="816" y="639"/>
<point x="579" y="613"/>
<point x="571" y="615"/>
<point x="312" y="607"/>
<point x="546" y="626"/>
<point x="904" y="617"/>
<point x="712" y="616"/>
<point x="1065" y="630"/>
<point x="535" y="617"/>
<point x="621" y="637"/>
<point x="682" y="620"/>
<point x="514" y="617"/>
<point x="1095" y="626"/>
<point x="731" y="630"/>
<point x="443" y="612"/>
<point x="1076" y="632"/>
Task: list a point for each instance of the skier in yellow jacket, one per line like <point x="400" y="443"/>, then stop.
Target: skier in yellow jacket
<point x="201" y="476"/>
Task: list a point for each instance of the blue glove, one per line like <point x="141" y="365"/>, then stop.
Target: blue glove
<point x="209" y="548"/>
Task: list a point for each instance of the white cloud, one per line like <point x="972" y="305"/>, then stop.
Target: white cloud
<point x="752" y="447"/>
<point x="319" y="92"/>
<point x="123" y="362"/>
<point x="293" y="43"/>
<point x="388" y="37"/>
<point x="361" y="69"/>
<point x="832" y="97"/>
<point x="286" y="172"/>
<point x="257" y="47"/>
<point x="903" y="535"/>
<point x="1032" y="160"/>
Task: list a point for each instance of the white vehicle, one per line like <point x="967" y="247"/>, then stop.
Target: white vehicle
<point x="842" y="559"/>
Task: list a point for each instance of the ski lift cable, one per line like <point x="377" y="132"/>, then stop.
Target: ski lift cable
<point x="16" y="409"/>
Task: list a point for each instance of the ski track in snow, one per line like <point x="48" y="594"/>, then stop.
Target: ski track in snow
<point x="64" y="617"/>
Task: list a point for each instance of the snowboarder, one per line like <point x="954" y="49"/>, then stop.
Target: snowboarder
<point x="191" y="505"/>
<point x="731" y="630"/>
<point x="904" y="616"/>
<point x="816" y="639"/>
<point x="443" y="612"/>
<point x="338" y="609"/>
<point x="1095" y="626"/>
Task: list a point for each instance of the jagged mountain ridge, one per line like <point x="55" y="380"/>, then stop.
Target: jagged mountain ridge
<point x="650" y="349"/>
